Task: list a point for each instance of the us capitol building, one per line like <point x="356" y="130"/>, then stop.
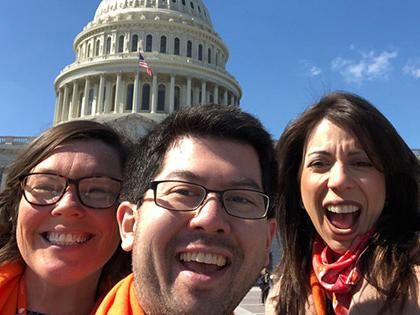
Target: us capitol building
<point x="105" y="83"/>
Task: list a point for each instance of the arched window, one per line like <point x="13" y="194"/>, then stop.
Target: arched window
<point x="88" y="50"/>
<point x="129" y="99"/>
<point x="108" y="45"/>
<point x="134" y="42"/>
<point x="145" y="98"/>
<point x="183" y="2"/>
<point x="97" y="46"/>
<point x="177" y="97"/>
<point x="149" y="41"/>
<point x="189" y="49"/>
<point x="176" y="46"/>
<point x="200" y="52"/>
<point x="192" y="5"/>
<point x="161" y="98"/>
<point x="209" y="55"/>
<point x="121" y="43"/>
<point x="217" y="58"/>
<point x="163" y="44"/>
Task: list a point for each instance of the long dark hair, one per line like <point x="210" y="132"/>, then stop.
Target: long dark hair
<point x="387" y="264"/>
<point x="120" y="263"/>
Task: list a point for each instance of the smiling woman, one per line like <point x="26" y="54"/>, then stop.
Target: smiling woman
<point x="59" y="237"/>
<point x="348" y="214"/>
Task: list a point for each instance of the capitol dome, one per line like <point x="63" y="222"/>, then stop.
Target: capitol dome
<point x="178" y="42"/>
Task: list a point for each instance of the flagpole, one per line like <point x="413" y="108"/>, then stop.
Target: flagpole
<point x="139" y="98"/>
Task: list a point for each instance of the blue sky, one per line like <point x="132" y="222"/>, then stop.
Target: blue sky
<point x="284" y="53"/>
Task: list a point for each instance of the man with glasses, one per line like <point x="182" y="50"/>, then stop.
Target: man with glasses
<point x="198" y="214"/>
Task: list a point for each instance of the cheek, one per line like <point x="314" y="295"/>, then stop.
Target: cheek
<point x="27" y="222"/>
<point x="377" y="196"/>
<point x="110" y="226"/>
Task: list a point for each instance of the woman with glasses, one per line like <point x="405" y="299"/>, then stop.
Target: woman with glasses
<point x="348" y="214"/>
<point x="59" y="239"/>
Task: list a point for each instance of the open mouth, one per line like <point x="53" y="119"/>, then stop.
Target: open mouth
<point x="343" y="216"/>
<point x="66" y="239"/>
<point x="201" y="262"/>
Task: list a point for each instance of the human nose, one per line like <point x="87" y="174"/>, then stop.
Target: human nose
<point x="211" y="217"/>
<point x="339" y="177"/>
<point x="69" y="205"/>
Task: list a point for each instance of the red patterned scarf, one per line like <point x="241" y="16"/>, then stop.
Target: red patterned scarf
<point x="336" y="278"/>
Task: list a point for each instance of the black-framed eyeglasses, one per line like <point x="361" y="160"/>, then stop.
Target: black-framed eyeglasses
<point x="45" y="189"/>
<point x="179" y="195"/>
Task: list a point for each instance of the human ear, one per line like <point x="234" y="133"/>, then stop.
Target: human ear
<point x="126" y="222"/>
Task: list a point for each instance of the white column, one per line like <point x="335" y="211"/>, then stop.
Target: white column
<point x="154" y="94"/>
<point x="95" y="100"/>
<point x="108" y="95"/>
<point x="157" y="4"/>
<point x="216" y="94"/>
<point x="117" y="94"/>
<point x="225" y="98"/>
<point x="100" y="101"/>
<point x="85" y="98"/>
<point x="57" y="114"/>
<point x="172" y="94"/>
<point x="65" y="107"/>
<point x="188" y="92"/>
<point x="74" y="99"/>
<point x="136" y="93"/>
<point x="203" y="93"/>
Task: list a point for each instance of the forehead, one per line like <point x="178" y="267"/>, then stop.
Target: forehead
<point x="211" y="159"/>
<point x="327" y="133"/>
<point x="92" y="156"/>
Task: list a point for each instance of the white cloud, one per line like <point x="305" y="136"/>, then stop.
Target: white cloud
<point x="310" y="69"/>
<point x="369" y="66"/>
<point x="412" y="68"/>
<point x="315" y="71"/>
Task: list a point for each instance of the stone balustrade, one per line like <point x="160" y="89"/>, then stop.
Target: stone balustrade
<point x="15" y="141"/>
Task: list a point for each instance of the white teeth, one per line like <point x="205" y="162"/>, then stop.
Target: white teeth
<point x="204" y="258"/>
<point x="63" y="239"/>
<point x="342" y="208"/>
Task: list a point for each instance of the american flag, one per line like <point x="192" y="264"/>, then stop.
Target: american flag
<point x="145" y="65"/>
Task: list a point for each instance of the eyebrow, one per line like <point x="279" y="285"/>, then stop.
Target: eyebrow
<point x="190" y="176"/>
<point x="351" y="153"/>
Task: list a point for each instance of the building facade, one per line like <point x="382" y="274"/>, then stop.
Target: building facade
<point x="176" y="39"/>
<point x="105" y="83"/>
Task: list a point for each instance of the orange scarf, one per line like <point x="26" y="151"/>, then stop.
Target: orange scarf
<point x="121" y="299"/>
<point x="12" y="296"/>
<point x="336" y="279"/>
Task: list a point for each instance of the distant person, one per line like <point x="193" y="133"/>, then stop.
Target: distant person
<point x="348" y="214"/>
<point x="59" y="240"/>
<point x="198" y="216"/>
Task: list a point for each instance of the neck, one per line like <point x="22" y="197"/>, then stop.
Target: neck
<point x="60" y="299"/>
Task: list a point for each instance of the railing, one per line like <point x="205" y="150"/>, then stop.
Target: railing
<point x="9" y="140"/>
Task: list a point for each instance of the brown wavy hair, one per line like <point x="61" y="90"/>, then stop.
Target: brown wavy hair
<point x="389" y="260"/>
<point x="120" y="263"/>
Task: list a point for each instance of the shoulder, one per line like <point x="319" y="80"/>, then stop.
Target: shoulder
<point x="10" y="269"/>
<point x="272" y="299"/>
<point x="368" y="301"/>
